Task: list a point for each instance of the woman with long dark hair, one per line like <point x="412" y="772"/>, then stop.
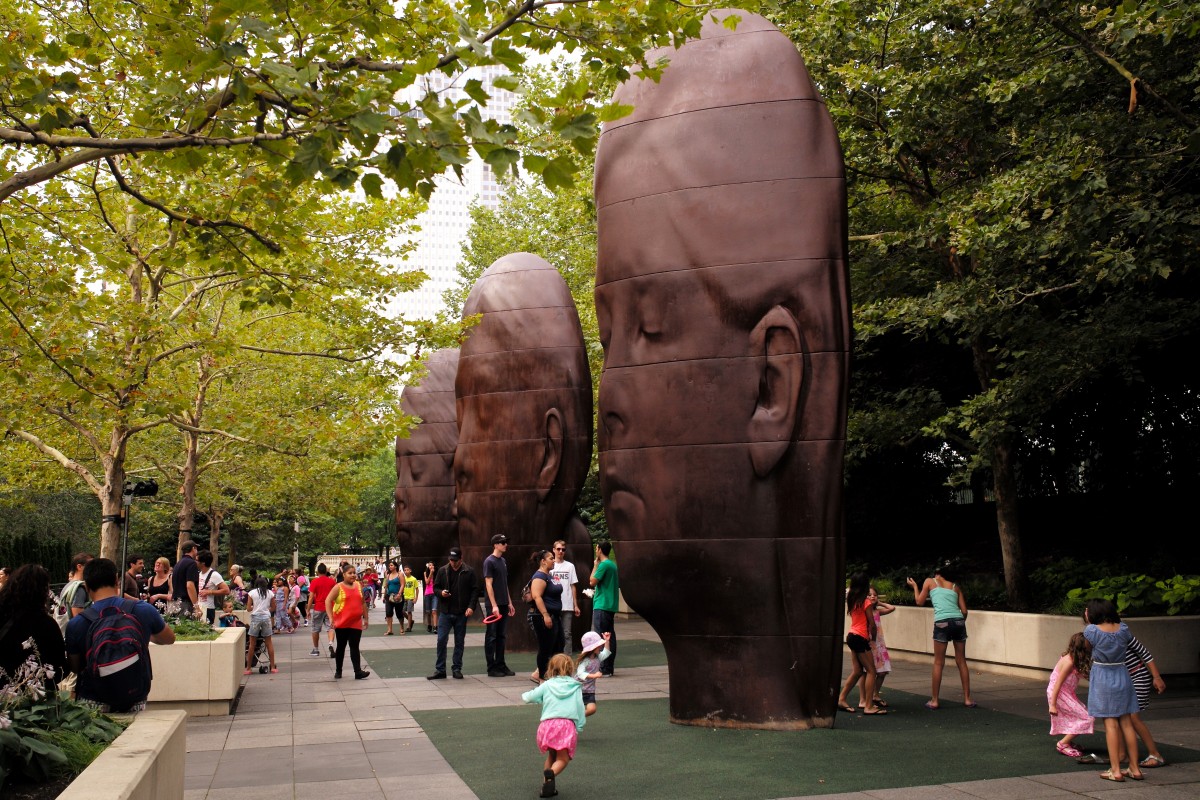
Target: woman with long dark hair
<point x="24" y="615"/>
<point x="949" y="625"/>
<point x="861" y="608"/>
<point x="546" y="618"/>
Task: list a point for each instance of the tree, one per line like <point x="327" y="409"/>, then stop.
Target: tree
<point x="1022" y="182"/>
<point x="120" y="323"/>
<point x="316" y="88"/>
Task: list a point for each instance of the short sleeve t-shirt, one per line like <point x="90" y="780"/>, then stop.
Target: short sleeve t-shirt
<point x="210" y="580"/>
<point x="496" y="568"/>
<point x="605" y="598"/>
<point x="318" y="589"/>
<point x="260" y="604"/>
<point x="77" y="632"/>
<point x="564" y="577"/>
<point x="184" y="572"/>
<point x="410" y="588"/>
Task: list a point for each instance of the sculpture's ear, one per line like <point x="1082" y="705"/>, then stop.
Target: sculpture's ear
<point x="777" y="342"/>
<point x="552" y="454"/>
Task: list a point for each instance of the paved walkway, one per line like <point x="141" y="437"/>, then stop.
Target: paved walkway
<point x="300" y="734"/>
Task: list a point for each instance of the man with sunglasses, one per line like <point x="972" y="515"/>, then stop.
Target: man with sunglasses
<point x="563" y="573"/>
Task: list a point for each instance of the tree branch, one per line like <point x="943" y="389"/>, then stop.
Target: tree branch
<point x="347" y="359"/>
<point x="183" y="426"/>
<point x="1134" y="80"/>
<point x="80" y="470"/>
<point x="57" y="365"/>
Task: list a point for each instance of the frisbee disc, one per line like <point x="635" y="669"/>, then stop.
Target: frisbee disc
<point x="488" y="620"/>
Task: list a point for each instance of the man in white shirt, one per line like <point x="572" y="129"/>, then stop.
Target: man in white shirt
<point x="212" y="586"/>
<point x="563" y="573"/>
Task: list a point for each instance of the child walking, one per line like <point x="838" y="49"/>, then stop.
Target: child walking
<point x="1110" y="690"/>
<point x="589" y="667"/>
<point x="1068" y="717"/>
<point x="563" y="717"/>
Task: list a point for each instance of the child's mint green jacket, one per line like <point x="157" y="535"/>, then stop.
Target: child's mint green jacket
<point x="561" y="698"/>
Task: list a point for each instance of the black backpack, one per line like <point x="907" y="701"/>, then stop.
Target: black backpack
<point x="117" y="661"/>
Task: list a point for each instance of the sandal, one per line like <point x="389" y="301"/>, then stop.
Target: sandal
<point x="929" y="704"/>
<point x="1091" y="758"/>
<point x="1152" y="762"/>
<point x="1068" y="750"/>
<point x="1128" y="773"/>
<point x="1108" y="776"/>
<point x="876" y="713"/>
<point x="879" y="701"/>
<point x="847" y="708"/>
<point x="972" y="704"/>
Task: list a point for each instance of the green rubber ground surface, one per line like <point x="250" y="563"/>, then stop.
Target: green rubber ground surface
<point x="629" y="750"/>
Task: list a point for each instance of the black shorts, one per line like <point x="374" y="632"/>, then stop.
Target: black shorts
<point x="589" y="697"/>
<point x="858" y="644"/>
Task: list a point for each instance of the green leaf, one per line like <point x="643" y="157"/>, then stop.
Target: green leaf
<point x="310" y="158"/>
<point x="474" y="89"/>
<point x="372" y="185"/>
<point x="560" y="173"/>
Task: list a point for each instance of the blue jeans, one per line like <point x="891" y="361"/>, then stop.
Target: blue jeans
<point x="446" y="621"/>
<point x="605" y="622"/>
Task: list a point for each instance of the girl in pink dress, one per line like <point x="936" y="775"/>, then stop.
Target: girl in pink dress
<point x="1069" y="717"/>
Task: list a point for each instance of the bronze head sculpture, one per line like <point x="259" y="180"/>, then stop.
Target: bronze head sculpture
<point x="721" y="294"/>
<point x="425" y="524"/>
<point x="524" y="402"/>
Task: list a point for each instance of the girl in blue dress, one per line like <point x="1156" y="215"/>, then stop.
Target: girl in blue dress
<point x="1110" y="690"/>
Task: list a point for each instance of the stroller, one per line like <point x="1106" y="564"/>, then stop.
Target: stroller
<point x="259" y="659"/>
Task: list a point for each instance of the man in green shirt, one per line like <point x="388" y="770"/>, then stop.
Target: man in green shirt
<point x="604" y="602"/>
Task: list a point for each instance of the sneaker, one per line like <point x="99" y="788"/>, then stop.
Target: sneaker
<point x="496" y="673"/>
<point x="331" y="653"/>
<point x="315" y="652"/>
<point x="457" y="674"/>
<point x="437" y="676"/>
<point x="366" y="673"/>
<point x="508" y="673"/>
<point x="306" y="623"/>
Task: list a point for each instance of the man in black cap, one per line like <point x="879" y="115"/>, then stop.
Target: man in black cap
<point x="500" y="608"/>
<point x="457" y="592"/>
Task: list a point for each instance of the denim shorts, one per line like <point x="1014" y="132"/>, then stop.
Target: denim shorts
<point x="950" y="630"/>
<point x="260" y="628"/>
<point x="589" y="697"/>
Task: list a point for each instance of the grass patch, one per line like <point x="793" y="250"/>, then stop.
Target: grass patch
<point x="631" y="750"/>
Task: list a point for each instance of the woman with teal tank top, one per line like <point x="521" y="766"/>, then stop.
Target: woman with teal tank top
<point x="949" y="625"/>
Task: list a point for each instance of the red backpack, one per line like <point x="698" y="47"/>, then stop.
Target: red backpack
<point x="117" y="662"/>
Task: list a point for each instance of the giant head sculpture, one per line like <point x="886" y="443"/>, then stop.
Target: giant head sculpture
<point x="721" y="294"/>
<point x="425" y="525"/>
<point x="524" y="401"/>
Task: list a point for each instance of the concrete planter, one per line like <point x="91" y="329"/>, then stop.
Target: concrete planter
<point x="1030" y="644"/>
<point x="144" y="763"/>
<point x="201" y="678"/>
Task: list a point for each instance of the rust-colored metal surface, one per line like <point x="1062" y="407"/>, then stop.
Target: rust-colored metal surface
<point x="524" y="401"/>
<point x="721" y="293"/>
<point x="425" y="524"/>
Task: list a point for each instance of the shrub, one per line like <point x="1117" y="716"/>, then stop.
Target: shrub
<point x="1139" y="595"/>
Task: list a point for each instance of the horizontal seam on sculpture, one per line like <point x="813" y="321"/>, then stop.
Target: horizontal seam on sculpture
<point x="603" y="450"/>
<point x="630" y="124"/>
<point x="521" y="308"/>
<point x="841" y="178"/>
<point x="832" y="261"/>
<point x="580" y="347"/>
<point x="698" y="359"/>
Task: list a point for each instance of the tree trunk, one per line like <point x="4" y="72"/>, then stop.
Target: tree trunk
<point x="214" y="535"/>
<point x="187" y="509"/>
<point x="111" y="497"/>
<point x="233" y="548"/>
<point x="1004" y="485"/>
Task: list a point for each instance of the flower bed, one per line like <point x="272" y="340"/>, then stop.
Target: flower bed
<point x="146" y="762"/>
<point x="201" y="678"/>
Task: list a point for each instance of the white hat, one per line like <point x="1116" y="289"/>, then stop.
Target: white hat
<point x="591" y="640"/>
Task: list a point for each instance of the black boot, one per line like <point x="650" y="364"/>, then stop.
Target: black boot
<point x="548" y="789"/>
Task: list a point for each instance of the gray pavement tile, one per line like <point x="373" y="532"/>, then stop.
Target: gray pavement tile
<point x="206" y="742"/>
<point x="317" y="769"/>
<point x="1085" y="780"/>
<point x="249" y="740"/>
<point x="1010" y="789"/>
<point x="842" y="796"/>
<point x="195" y="794"/>
<point x="261" y="792"/>
<point x="358" y="788"/>
<point x="440" y="792"/>
<point x="324" y="750"/>
<point x="260" y="775"/>
<point x="920" y="793"/>
<point x="1132" y="790"/>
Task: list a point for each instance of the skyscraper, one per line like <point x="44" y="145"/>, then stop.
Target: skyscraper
<point x="444" y="225"/>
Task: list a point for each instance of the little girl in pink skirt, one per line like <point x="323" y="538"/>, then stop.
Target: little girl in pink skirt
<point x="563" y="716"/>
<point x="1068" y="716"/>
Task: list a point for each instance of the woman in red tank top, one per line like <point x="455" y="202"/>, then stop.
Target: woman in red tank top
<point x="348" y="610"/>
<point x="861" y="609"/>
